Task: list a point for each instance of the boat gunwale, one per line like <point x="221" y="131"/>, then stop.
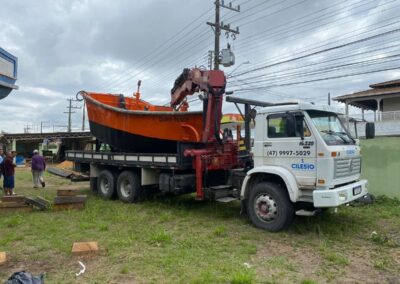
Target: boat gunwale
<point x="87" y="97"/>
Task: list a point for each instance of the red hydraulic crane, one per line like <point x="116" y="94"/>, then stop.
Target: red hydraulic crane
<point x="216" y="153"/>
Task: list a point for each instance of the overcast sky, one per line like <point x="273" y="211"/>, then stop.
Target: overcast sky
<point x="65" y="46"/>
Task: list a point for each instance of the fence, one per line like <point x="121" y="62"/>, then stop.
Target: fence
<point x="383" y="116"/>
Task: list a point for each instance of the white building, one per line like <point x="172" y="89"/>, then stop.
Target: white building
<point x="383" y="99"/>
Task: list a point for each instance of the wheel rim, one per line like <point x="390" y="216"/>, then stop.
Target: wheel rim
<point x="105" y="185"/>
<point x="126" y="188"/>
<point x="265" y="208"/>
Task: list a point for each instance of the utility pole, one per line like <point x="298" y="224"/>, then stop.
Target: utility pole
<point x="329" y="99"/>
<point x="210" y="59"/>
<point x="83" y="116"/>
<point x="27" y="128"/>
<point x="70" y="107"/>
<point x="218" y="26"/>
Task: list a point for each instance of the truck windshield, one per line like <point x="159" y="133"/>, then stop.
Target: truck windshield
<point x="330" y="127"/>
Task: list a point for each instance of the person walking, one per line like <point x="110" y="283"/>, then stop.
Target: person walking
<point x="8" y="169"/>
<point x="38" y="167"/>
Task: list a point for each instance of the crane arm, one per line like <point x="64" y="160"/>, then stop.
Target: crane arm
<point x="196" y="80"/>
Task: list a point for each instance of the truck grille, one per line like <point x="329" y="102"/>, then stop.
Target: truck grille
<point x="347" y="167"/>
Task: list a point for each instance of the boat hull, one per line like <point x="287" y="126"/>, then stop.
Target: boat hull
<point x="140" y="127"/>
<point x="125" y="141"/>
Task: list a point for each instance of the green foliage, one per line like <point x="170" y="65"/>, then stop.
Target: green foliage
<point x="243" y="277"/>
<point x="159" y="237"/>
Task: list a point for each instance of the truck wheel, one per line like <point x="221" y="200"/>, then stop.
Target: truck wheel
<point x="269" y="207"/>
<point x="128" y="187"/>
<point x="105" y="184"/>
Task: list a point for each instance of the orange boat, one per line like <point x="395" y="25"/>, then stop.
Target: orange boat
<point x="131" y="124"/>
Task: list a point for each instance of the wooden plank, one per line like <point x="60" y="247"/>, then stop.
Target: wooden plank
<point x="14" y="198"/>
<point x="70" y="199"/>
<point x="59" y="172"/>
<point x="60" y="207"/>
<point x="41" y="203"/>
<point x="16" y="209"/>
<point x="66" y="192"/>
<point x="85" y="248"/>
<point x="12" y="204"/>
<point x="3" y="257"/>
<point x="43" y="200"/>
<point x="75" y="186"/>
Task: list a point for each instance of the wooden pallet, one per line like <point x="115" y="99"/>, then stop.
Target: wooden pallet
<point x="38" y="202"/>
<point x="3" y="258"/>
<point x="85" y="248"/>
<point x="61" y="207"/>
<point x="70" y="199"/>
<point x="66" y="192"/>
<point x="13" y="198"/>
<point x="14" y="207"/>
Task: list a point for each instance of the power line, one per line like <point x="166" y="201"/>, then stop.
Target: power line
<point x="330" y="69"/>
<point x="320" y="79"/>
<point x="320" y="51"/>
<point x="159" y="49"/>
<point x="287" y="27"/>
<point x="284" y="73"/>
<point x="284" y="33"/>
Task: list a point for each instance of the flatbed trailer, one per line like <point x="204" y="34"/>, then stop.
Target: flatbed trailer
<point x="129" y="176"/>
<point x="161" y="161"/>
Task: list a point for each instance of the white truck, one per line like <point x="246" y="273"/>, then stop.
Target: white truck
<point x="302" y="160"/>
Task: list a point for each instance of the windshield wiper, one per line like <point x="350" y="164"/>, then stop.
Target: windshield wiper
<point x="345" y="133"/>
<point x="341" y="135"/>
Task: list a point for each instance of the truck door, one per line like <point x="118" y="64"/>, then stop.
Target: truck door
<point x="290" y="144"/>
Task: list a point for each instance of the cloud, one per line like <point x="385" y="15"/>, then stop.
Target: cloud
<point x="71" y="45"/>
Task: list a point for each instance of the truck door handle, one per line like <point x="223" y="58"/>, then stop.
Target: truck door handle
<point x="269" y="144"/>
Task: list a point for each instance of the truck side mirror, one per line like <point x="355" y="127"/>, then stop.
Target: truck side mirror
<point x="370" y="130"/>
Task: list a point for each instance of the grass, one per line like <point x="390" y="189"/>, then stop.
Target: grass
<point x="179" y="240"/>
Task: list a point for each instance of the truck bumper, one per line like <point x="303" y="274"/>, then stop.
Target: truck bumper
<point x="340" y="195"/>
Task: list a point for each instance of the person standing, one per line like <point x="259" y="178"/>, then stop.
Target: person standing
<point x="38" y="167"/>
<point x="8" y="169"/>
<point x="2" y="158"/>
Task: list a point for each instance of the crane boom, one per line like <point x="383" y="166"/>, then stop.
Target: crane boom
<point x="196" y="80"/>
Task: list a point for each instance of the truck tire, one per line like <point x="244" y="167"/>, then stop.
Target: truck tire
<point x="128" y="187"/>
<point x="269" y="207"/>
<point x="106" y="184"/>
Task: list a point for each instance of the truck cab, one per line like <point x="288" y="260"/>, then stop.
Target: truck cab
<point x="304" y="159"/>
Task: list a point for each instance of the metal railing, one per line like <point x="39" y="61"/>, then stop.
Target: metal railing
<point x="382" y="116"/>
